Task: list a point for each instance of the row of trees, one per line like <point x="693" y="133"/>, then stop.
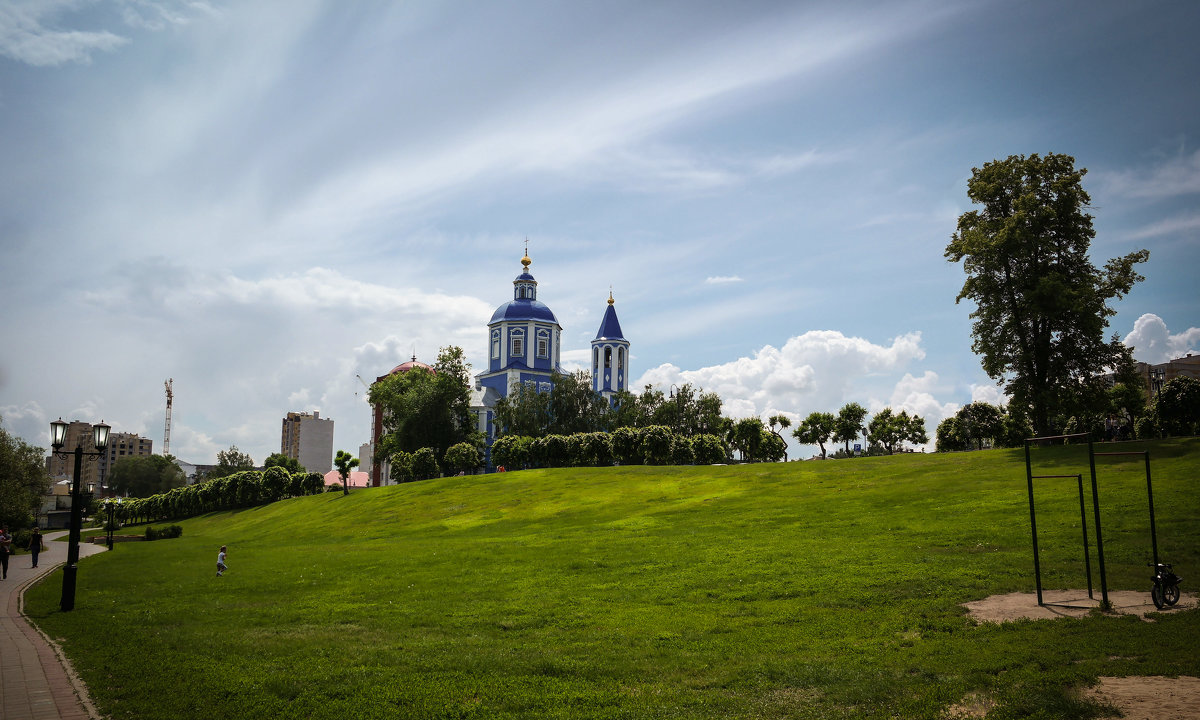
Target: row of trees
<point x="651" y="445"/>
<point x="239" y="490"/>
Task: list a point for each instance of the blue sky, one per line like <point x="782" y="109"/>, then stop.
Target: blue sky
<point x="263" y="200"/>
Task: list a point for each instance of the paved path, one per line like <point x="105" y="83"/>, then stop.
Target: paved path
<point x="36" y="682"/>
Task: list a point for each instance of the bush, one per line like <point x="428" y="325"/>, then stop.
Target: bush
<point x="709" y="450"/>
<point x="333" y="487"/>
<point x="424" y="464"/>
<point x="462" y="457"/>
<point x="655" y="442"/>
<point x="626" y="446"/>
<point x="169" y="531"/>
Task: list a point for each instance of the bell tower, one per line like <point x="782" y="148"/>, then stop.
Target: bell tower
<point x="610" y="355"/>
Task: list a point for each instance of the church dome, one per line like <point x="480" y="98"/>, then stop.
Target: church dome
<point x="524" y="305"/>
<point x="523" y="310"/>
<point x="406" y="366"/>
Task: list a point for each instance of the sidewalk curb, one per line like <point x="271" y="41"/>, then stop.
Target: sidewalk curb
<point x="77" y="684"/>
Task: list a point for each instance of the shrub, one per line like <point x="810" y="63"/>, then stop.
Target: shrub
<point x="626" y="446"/>
<point x="169" y="531"/>
<point x="656" y="444"/>
<point x="681" y="451"/>
<point x="461" y="457"/>
<point x="424" y="464"/>
<point x="708" y="449"/>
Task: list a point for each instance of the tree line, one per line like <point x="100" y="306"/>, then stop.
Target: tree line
<point x="242" y="489"/>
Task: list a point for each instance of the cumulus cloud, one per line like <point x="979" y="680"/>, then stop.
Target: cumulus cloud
<point x="821" y="370"/>
<point x="1153" y="343"/>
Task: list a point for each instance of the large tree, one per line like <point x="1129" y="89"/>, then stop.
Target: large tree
<point x="23" y="480"/>
<point x="424" y="408"/>
<point x="229" y="462"/>
<point x="291" y="464"/>
<point x="816" y="429"/>
<point x="891" y="430"/>
<point x="849" y="423"/>
<point x="145" y="475"/>
<point x="1041" y="306"/>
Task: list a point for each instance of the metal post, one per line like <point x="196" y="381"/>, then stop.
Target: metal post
<point x="1099" y="536"/>
<point x="1037" y="565"/>
<point x="1150" y="494"/>
<point x="67" y="602"/>
<point x="1087" y="559"/>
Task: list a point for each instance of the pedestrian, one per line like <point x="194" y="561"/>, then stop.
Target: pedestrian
<point x="221" y="562"/>
<point x="5" y="549"/>
<point x="35" y="544"/>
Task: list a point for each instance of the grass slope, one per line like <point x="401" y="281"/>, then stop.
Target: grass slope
<point x="800" y="590"/>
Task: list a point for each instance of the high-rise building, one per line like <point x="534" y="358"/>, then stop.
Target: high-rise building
<point x="121" y="445"/>
<point x="308" y="438"/>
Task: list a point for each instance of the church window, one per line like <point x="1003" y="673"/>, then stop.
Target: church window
<point x="620" y="360"/>
<point x="496" y="345"/>
<point x="595" y="360"/>
<point x="607" y="358"/>
<point x="518" y="344"/>
<point x="543" y="347"/>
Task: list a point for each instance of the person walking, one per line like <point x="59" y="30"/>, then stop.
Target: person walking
<point x="35" y="544"/>
<point x="221" y="562"/>
<point x="5" y="549"/>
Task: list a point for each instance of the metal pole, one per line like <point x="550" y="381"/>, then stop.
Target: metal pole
<point x="1037" y="566"/>
<point x="1099" y="536"/>
<point x="67" y="602"/>
<point x="1150" y="494"/>
<point x="1087" y="559"/>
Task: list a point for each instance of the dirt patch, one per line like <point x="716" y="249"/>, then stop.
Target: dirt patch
<point x="1068" y="603"/>
<point x="1150" y="698"/>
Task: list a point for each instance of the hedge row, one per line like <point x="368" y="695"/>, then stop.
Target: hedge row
<point x="243" y="489"/>
<point x="653" y="445"/>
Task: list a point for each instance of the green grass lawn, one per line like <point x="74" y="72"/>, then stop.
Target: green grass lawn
<point x="799" y="590"/>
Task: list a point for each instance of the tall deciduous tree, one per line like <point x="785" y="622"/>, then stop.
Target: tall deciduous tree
<point x="816" y="429"/>
<point x="229" y="462"/>
<point x="1041" y="305"/>
<point x="890" y="429"/>
<point x="291" y="464"/>
<point x="145" y="475"/>
<point x="23" y="480"/>
<point x="849" y="424"/>
<point x="423" y="408"/>
<point x="784" y="422"/>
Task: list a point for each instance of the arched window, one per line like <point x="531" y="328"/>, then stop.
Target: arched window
<point x="495" y="344"/>
<point x="607" y="358"/>
<point x="620" y="360"/>
<point x="595" y="360"/>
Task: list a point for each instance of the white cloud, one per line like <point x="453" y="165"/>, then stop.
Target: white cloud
<point x="1169" y="226"/>
<point x="1153" y="343"/>
<point x="723" y="279"/>
<point x="990" y="394"/>
<point x="24" y="36"/>
<point x="1178" y="175"/>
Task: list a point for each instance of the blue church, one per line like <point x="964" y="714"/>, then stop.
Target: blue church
<point x="524" y="346"/>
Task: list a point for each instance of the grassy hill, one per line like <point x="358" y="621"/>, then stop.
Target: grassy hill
<point x="798" y="590"/>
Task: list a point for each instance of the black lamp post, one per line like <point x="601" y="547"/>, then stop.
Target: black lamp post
<point x="111" y="506"/>
<point x="677" y="396"/>
<point x="1156" y="379"/>
<point x="58" y="437"/>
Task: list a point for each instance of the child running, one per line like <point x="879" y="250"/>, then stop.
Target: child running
<point x="221" y="562"/>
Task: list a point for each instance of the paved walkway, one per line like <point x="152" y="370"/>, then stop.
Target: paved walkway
<point x="36" y="681"/>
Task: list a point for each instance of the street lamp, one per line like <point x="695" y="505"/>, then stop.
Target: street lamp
<point x="58" y="437"/>
<point x="111" y="506"/>
<point x="677" y="396"/>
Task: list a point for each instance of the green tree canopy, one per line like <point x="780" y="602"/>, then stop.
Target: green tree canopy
<point x="1041" y="306"/>
<point x="23" y="480"/>
<point x="849" y="424"/>
<point x="423" y="408"/>
<point x="344" y="462"/>
<point x="890" y="429"/>
<point x="1178" y="406"/>
<point x="229" y="462"/>
<point x="145" y="475"/>
<point x="816" y="429"/>
<point x="292" y="465"/>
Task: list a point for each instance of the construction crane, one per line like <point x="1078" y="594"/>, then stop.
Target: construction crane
<point x="365" y="385"/>
<point x="169" y="385"/>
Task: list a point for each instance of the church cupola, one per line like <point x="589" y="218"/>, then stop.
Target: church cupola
<point x="524" y="286"/>
<point x="610" y="355"/>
